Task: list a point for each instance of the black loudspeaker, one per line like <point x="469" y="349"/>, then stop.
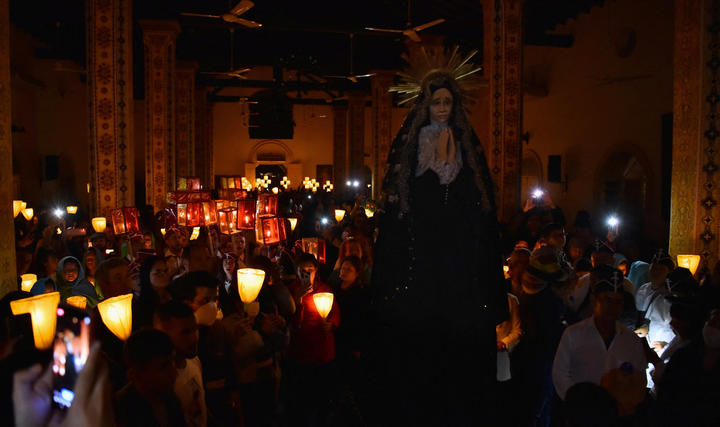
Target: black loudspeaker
<point x="52" y="167"/>
<point x="554" y="173"/>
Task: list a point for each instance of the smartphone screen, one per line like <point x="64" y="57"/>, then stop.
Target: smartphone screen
<point x="70" y="352"/>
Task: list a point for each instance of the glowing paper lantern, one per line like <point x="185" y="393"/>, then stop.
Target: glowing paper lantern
<point x="315" y="246"/>
<point x="27" y="281"/>
<point x="293" y="223"/>
<point x="77" y="301"/>
<point x="267" y="205"/>
<point x="275" y="190"/>
<point x="209" y="213"/>
<point x="162" y="231"/>
<point x="116" y="314"/>
<point x="323" y="302"/>
<point x="28" y="213"/>
<point x="272" y="230"/>
<point x="691" y="262"/>
<point x="99" y="224"/>
<point x="125" y="220"/>
<point x="369" y="213"/>
<point x="17" y="207"/>
<point x="195" y="233"/>
<point x="250" y="281"/>
<point x="339" y="214"/>
<point x="42" y="310"/>
<point x="72" y="210"/>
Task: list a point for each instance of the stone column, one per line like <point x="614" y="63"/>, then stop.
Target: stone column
<point x="8" y="278"/>
<point x="110" y="93"/>
<point x="340" y="155"/>
<point x="696" y="95"/>
<point x="356" y="136"/>
<point x="203" y="139"/>
<point x="185" y="132"/>
<point x="504" y="154"/>
<point x="159" y="43"/>
<point x="381" y="126"/>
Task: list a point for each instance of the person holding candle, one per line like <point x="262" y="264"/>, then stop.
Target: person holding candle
<point x="438" y="261"/>
<point x="312" y="347"/>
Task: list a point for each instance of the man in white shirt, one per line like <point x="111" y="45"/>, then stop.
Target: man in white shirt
<point x="594" y="346"/>
<point x="178" y="321"/>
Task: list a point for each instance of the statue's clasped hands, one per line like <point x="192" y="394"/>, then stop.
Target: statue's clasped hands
<point x="446" y="150"/>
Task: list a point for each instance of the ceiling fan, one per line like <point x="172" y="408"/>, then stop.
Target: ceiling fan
<point x="352" y="76"/>
<point x="410" y="31"/>
<point x="236" y="73"/>
<point x="233" y="15"/>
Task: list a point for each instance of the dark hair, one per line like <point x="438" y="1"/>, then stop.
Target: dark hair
<point x="102" y="271"/>
<point x="183" y="288"/>
<point x="589" y="405"/>
<point x="145" y="345"/>
<point x="583" y="264"/>
<point x="173" y="310"/>
<point x="146" y="289"/>
<point x="43" y="255"/>
<point x="307" y="258"/>
<point x="194" y="247"/>
<point x="548" y="229"/>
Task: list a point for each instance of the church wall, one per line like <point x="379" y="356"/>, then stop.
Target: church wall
<point x="585" y="118"/>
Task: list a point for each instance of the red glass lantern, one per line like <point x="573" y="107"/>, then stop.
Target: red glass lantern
<point x="267" y="205"/>
<point x="238" y="182"/>
<point x="315" y="246"/>
<point x="190" y="214"/>
<point x="125" y="220"/>
<point x="232" y="193"/>
<point x="209" y="213"/>
<point x="246" y="214"/>
<point x="223" y="225"/>
<point x="271" y="230"/>
<point x="193" y="183"/>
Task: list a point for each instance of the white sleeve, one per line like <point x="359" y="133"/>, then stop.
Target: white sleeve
<point x="561" y="376"/>
<point x="512" y="339"/>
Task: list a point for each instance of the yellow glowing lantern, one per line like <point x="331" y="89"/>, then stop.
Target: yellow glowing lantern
<point x="195" y="233"/>
<point x="28" y="213"/>
<point x="17" y="207"/>
<point x="323" y="302"/>
<point x="369" y="213"/>
<point x="339" y="214"/>
<point x="691" y="262"/>
<point x="116" y="314"/>
<point x="42" y="311"/>
<point x="72" y="210"/>
<point x="77" y="301"/>
<point x="293" y="223"/>
<point x="250" y="281"/>
<point x="99" y="223"/>
<point x="27" y="281"/>
<point x="275" y="190"/>
<point x="162" y="231"/>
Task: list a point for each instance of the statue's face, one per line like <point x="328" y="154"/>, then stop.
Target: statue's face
<point x="441" y="105"/>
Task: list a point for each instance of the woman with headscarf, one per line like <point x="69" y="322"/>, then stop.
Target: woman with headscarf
<point x="437" y="281"/>
<point x="71" y="281"/>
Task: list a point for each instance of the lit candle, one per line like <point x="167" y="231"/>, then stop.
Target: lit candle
<point x="691" y="262"/>
<point x="77" y="301"/>
<point x="293" y="223"/>
<point x="250" y="281"/>
<point x="72" y="210"/>
<point x="27" y="281"/>
<point x="116" y="314"/>
<point x="17" y="207"/>
<point x="195" y="233"/>
<point x="28" y="213"/>
<point x="99" y="223"/>
<point x="339" y="214"/>
<point x="323" y="302"/>
<point x="42" y="311"/>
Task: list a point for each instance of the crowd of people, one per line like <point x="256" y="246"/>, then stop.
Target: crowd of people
<point x="593" y="337"/>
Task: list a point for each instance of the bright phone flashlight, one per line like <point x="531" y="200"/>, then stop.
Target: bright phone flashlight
<point x="537" y="193"/>
<point x="613" y="221"/>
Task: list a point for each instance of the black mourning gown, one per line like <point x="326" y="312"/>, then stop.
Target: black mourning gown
<point x="435" y="352"/>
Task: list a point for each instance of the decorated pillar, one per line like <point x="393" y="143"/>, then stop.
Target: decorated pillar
<point x="110" y="92"/>
<point x="159" y="43"/>
<point x="185" y="132"/>
<point x="203" y="138"/>
<point x="504" y="154"/>
<point x="382" y="126"/>
<point x="696" y="97"/>
<point x="340" y="154"/>
<point x="8" y="278"/>
<point x="356" y="134"/>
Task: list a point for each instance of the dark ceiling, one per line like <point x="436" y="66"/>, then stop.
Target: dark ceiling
<point x="310" y="35"/>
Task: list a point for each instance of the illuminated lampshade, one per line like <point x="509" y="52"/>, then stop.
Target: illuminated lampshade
<point x="369" y="213"/>
<point x="42" y="311"/>
<point x="125" y="220"/>
<point x="195" y="233"/>
<point x="209" y="213"/>
<point x="339" y="214"/>
<point x="162" y="231"/>
<point x="17" y="207"/>
<point x="28" y="213"/>
<point x="275" y="190"/>
<point x="691" y="262"/>
<point x="77" y="301"/>
<point x="246" y="214"/>
<point x="315" y="246"/>
<point x="293" y="223"/>
<point x="271" y="233"/>
<point x="223" y="222"/>
<point x="116" y="314"/>
<point x="190" y="214"/>
<point x="72" y="210"/>
<point x="506" y="271"/>
<point x="250" y="281"/>
<point x="27" y="281"/>
<point x="323" y="302"/>
<point x="99" y="223"/>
